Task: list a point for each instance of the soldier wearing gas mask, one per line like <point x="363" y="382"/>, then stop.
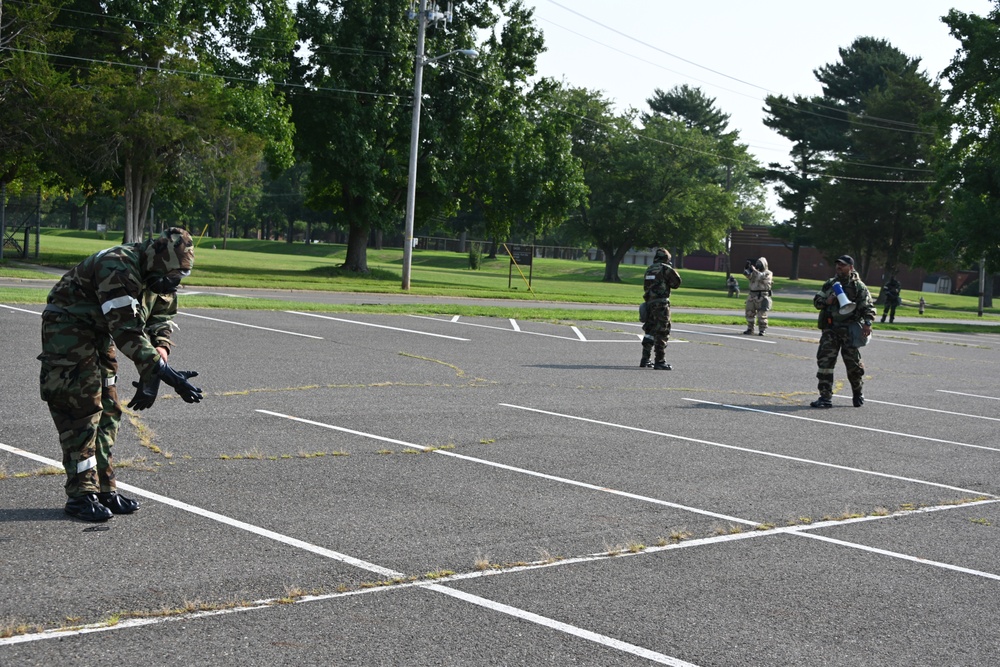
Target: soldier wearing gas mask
<point x="120" y="298"/>
<point x="660" y="278"/>
<point x="758" y="294"/>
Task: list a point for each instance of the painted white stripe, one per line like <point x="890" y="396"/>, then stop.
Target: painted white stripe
<point x="917" y="407"/>
<point x="371" y="567"/>
<point x="377" y="326"/>
<point x="487" y="326"/>
<point x="119" y="302"/>
<point x="86" y="464"/>
<point x="579" y="334"/>
<point x="603" y="640"/>
<point x="513" y="323"/>
<point x="831" y="423"/>
<point x="893" y="554"/>
<point x="251" y="326"/>
<point x="991" y="398"/>
<point x="523" y="471"/>
<point x="21" y="310"/>
<point x="455" y="318"/>
<point x="749" y="451"/>
<point x="530" y="333"/>
<point x="752" y="339"/>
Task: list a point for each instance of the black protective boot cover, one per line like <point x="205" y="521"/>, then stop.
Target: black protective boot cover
<point x="87" y="508"/>
<point x="118" y="504"/>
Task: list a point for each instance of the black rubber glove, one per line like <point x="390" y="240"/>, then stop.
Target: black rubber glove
<point x="179" y="381"/>
<point x="145" y="393"/>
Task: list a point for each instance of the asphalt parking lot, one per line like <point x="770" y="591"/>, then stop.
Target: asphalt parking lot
<point x="402" y="490"/>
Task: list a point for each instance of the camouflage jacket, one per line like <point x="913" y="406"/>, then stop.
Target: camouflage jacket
<point x="659" y="280"/>
<point x="106" y="293"/>
<point x="856" y="291"/>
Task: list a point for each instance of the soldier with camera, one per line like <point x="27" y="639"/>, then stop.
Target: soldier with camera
<point x="758" y="295"/>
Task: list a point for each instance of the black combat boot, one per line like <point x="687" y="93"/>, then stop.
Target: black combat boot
<point x="748" y="332"/>
<point x="859" y="399"/>
<point x="644" y="362"/>
<point x="662" y="366"/>
<point x="822" y="402"/>
<point x="118" y="504"/>
<point x="87" y="508"/>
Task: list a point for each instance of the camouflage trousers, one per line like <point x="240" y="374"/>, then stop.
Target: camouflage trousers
<point x="831" y="343"/>
<point x="657" y="329"/>
<point x="757" y="307"/>
<point x="77" y="379"/>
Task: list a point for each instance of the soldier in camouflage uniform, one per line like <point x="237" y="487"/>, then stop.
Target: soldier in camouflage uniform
<point x="892" y="291"/>
<point x="836" y="337"/>
<point x="758" y="294"/>
<point x="122" y="297"/>
<point x="660" y="279"/>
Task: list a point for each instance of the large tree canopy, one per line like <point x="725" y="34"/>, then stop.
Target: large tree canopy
<point x="971" y="167"/>
<point x="160" y="82"/>
<point x="861" y="159"/>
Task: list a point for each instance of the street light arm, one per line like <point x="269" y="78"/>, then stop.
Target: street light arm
<point x="471" y="53"/>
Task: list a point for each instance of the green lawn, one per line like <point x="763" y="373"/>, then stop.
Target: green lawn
<point x="279" y="265"/>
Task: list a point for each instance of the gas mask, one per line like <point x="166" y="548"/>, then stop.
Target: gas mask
<point x="167" y="284"/>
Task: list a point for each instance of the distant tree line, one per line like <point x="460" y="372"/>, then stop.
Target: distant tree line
<point x="257" y="118"/>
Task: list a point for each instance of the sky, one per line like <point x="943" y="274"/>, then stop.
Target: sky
<point x="735" y="51"/>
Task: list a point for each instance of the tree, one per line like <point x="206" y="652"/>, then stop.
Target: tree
<point x="34" y="98"/>
<point x="736" y="170"/>
<point x="647" y="185"/>
<point x="971" y="166"/>
<point x="159" y="83"/>
<point x="519" y="170"/>
<point x="353" y="113"/>
<point x="869" y="132"/>
<point x="798" y="184"/>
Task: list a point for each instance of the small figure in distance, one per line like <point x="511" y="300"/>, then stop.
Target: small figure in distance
<point x="733" y="286"/>
<point x="892" y="291"/>
<point x="659" y="280"/>
<point x="759" y="300"/>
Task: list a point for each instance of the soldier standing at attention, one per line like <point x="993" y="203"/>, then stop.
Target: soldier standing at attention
<point x="660" y="279"/>
<point x="892" y="291"/>
<point x="122" y="297"/>
<point x="758" y="294"/>
<point x="836" y="337"/>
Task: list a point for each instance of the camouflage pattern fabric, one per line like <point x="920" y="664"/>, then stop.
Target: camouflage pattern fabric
<point x="100" y="305"/>
<point x="659" y="280"/>
<point x="831" y="343"/>
<point x="836" y="334"/>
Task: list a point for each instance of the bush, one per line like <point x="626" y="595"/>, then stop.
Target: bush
<point x="475" y="256"/>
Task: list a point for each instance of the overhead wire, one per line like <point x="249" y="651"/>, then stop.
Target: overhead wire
<point x="378" y="53"/>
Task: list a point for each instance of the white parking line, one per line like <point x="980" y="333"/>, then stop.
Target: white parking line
<point x="990" y="398"/>
<point x="517" y="329"/>
<point x="918" y="407"/>
<point x="21" y="310"/>
<point x="751" y="339"/>
<point x="377" y="326"/>
<point x="830" y="423"/>
<point x="522" y="614"/>
<point x="746" y="449"/>
<point x="523" y="471"/>
<point x="251" y="326"/>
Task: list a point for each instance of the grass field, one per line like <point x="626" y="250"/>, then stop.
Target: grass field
<point x="280" y="265"/>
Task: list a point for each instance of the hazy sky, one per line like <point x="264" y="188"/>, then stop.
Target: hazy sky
<point x="736" y="51"/>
